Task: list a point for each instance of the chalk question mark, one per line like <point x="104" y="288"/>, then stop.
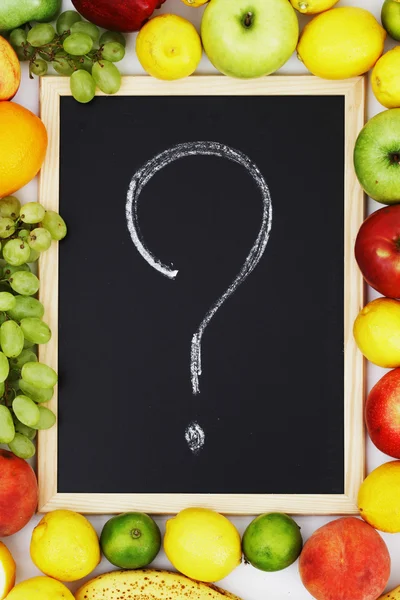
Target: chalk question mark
<point x="194" y="433"/>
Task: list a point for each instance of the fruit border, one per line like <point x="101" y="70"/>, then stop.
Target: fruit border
<point x="353" y="90"/>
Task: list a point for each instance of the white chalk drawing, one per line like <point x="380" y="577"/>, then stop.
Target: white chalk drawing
<point x="195" y="437"/>
<point x="194" y="434"/>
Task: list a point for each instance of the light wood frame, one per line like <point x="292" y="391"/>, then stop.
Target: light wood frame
<point x="353" y="90"/>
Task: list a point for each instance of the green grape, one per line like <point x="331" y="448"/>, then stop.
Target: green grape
<point x="106" y="76"/>
<point x="37" y="394"/>
<point x="83" y="87"/>
<point x="85" y="27"/>
<point x="78" y="44"/>
<point x="62" y="64"/>
<point x="24" y="429"/>
<point x="41" y="34"/>
<point x="22" y="446"/>
<point x="2" y="388"/>
<point x="26" y="410"/>
<point x="16" y="252"/>
<point x="66" y="20"/>
<point x="26" y="306"/>
<point x="47" y="418"/>
<point x="17" y="38"/>
<point x="40" y="239"/>
<point x="112" y="36"/>
<point x="8" y="270"/>
<point x="7" y="429"/>
<point x="11" y="339"/>
<point x="4" y="366"/>
<point x="25" y="53"/>
<point x="25" y="356"/>
<point x="32" y="213"/>
<point x="10" y="207"/>
<point x="55" y="225"/>
<point x="113" y="51"/>
<point x="46" y="51"/>
<point x="13" y="377"/>
<point x="23" y="234"/>
<point x="28" y="345"/>
<point x="83" y="63"/>
<point x="26" y="284"/>
<point x="7" y="301"/>
<point x="33" y="256"/>
<point x="3" y="317"/>
<point x="39" y="374"/>
<point x="38" y="67"/>
<point x="7" y="227"/>
<point x="35" y="330"/>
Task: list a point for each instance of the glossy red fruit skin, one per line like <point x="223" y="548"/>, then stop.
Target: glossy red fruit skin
<point x="377" y="250"/>
<point x="18" y="493"/>
<point x="117" y="15"/>
<point x="382" y="414"/>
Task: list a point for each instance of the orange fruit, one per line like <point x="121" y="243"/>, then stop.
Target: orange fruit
<point x="23" y="144"/>
<point x="7" y="571"/>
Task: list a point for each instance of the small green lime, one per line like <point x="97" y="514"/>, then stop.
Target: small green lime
<point x="272" y="542"/>
<point x="390" y="17"/>
<point x="130" y="540"/>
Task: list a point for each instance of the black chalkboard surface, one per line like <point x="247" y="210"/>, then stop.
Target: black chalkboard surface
<point x="269" y="414"/>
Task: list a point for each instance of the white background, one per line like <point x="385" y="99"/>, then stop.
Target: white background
<point x="245" y="581"/>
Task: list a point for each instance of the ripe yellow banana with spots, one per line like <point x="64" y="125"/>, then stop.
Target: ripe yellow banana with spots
<point x="149" y="583"/>
<point x="393" y="595"/>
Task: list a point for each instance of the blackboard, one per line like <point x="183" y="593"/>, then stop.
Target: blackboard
<point x="270" y="407"/>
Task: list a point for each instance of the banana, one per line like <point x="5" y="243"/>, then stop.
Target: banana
<point x="149" y="584"/>
<point x="393" y="595"/>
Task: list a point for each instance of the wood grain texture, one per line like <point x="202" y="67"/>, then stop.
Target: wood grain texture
<point x="353" y="91"/>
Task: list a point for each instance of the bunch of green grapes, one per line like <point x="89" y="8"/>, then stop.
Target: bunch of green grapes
<point x="25" y="383"/>
<point x="75" y="48"/>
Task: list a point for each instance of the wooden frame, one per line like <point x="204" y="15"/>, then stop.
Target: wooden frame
<point x="353" y="90"/>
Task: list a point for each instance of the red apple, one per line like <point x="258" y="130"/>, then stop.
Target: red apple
<point x="18" y="493"/>
<point x="117" y="15"/>
<point x="345" y="559"/>
<point x="382" y="414"/>
<point x="377" y="250"/>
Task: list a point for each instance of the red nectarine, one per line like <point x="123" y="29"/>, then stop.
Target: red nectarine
<point x="18" y="493"/>
<point x="345" y="560"/>
<point x="382" y="414"/>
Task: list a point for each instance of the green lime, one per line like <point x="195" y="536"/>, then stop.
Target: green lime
<point x="272" y="542"/>
<point x="130" y="540"/>
<point x="390" y="17"/>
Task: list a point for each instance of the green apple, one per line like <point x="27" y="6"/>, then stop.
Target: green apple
<point x="390" y="17"/>
<point x="377" y="157"/>
<point x="14" y="13"/>
<point x="249" y="38"/>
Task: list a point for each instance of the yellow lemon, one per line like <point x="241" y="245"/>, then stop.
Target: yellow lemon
<point x="65" y="546"/>
<point x="7" y="571"/>
<point x="202" y="544"/>
<point x="312" y="7"/>
<point x="169" y="47"/>
<point x="378" y="498"/>
<point x="341" y="43"/>
<point x="40" y="588"/>
<point x="377" y="332"/>
<point x="386" y="79"/>
<point x="196" y="3"/>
